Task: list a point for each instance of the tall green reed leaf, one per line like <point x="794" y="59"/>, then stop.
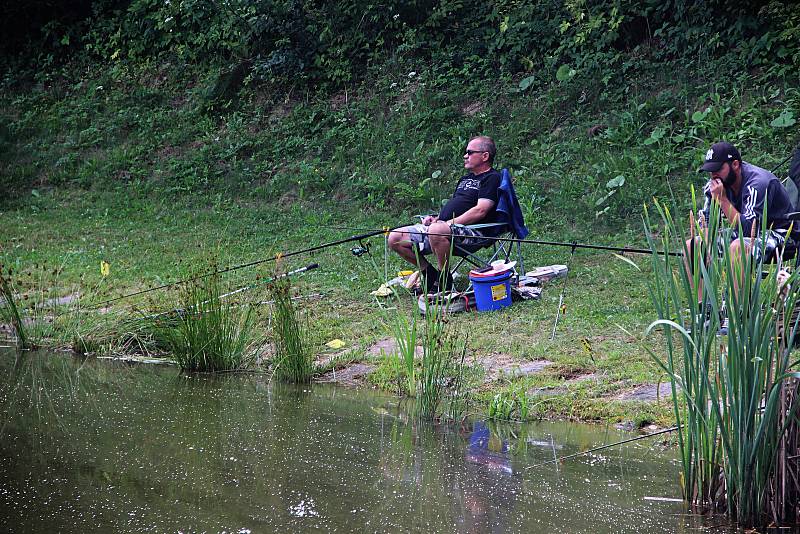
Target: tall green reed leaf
<point x="725" y="389"/>
<point x="294" y="362"/>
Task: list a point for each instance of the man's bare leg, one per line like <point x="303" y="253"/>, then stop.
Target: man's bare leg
<point x="400" y="242"/>
<point x="439" y="235"/>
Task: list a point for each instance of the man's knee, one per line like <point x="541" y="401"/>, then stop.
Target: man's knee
<point x="398" y="240"/>
<point x="439" y="234"/>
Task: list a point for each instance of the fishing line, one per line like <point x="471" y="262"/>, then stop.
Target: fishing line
<point x="563" y="292"/>
<point x="587" y="246"/>
<point x="180" y="311"/>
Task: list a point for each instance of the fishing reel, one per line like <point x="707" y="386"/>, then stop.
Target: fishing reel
<point x="361" y="249"/>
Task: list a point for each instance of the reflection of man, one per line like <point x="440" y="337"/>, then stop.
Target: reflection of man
<point x="487" y="449"/>
<point x="473" y="202"/>
<point x="487" y="490"/>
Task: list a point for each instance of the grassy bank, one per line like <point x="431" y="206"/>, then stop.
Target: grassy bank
<point x="123" y="164"/>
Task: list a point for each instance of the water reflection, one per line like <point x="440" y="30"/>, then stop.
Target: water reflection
<point x="92" y="446"/>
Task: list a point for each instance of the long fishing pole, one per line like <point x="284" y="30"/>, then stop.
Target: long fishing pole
<point x="588" y="246"/>
<point x="563" y="291"/>
<point x="602" y="447"/>
<point x="240" y="290"/>
<point x="277" y="257"/>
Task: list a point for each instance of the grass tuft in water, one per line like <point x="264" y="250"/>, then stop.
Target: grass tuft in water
<point x="207" y="333"/>
<point x="293" y="360"/>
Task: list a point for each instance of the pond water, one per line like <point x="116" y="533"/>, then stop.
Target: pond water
<point x="108" y="447"/>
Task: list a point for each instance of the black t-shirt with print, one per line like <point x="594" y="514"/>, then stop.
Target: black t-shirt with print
<point x="470" y="188"/>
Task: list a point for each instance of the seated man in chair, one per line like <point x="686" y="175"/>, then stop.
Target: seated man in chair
<point x="741" y="189"/>
<point x="474" y="202"/>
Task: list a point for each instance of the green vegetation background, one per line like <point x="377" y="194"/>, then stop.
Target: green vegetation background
<point x="153" y="134"/>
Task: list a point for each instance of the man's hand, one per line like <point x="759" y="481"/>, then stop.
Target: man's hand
<point x="429" y="220"/>
<point x="717" y="190"/>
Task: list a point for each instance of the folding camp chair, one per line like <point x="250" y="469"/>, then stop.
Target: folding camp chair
<point x="512" y="225"/>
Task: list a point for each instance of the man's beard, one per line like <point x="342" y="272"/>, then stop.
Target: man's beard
<point x="730" y="179"/>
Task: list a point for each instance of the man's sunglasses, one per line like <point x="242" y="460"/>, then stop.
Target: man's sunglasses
<point x="471" y="152"/>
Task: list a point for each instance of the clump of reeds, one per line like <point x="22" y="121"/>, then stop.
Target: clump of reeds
<point x="443" y="352"/>
<point x="205" y="332"/>
<point x="434" y="372"/>
<point x="9" y="312"/>
<point x="729" y="393"/>
<point x="512" y="403"/>
<point x="294" y="362"/>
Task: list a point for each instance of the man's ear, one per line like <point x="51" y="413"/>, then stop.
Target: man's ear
<point x="735" y="164"/>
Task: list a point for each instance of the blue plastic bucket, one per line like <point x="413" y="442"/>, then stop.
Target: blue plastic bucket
<point x="492" y="292"/>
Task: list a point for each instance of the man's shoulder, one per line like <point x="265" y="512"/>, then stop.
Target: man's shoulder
<point x="489" y="176"/>
<point x="755" y="175"/>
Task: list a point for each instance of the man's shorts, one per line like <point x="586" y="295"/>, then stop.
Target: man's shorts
<point x="464" y="237"/>
<point x="772" y="244"/>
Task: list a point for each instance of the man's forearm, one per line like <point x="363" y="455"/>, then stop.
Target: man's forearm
<point x="473" y="215"/>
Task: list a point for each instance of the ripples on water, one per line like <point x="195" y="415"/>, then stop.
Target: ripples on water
<point x="107" y="447"/>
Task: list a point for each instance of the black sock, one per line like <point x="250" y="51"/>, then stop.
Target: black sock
<point x="431" y="275"/>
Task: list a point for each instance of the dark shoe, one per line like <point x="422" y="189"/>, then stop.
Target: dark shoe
<point x="433" y="278"/>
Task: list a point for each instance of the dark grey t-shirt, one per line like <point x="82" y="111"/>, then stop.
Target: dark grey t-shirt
<point x="758" y="185"/>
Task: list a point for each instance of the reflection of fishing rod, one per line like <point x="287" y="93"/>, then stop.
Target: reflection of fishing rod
<point x="181" y="311"/>
<point x="583" y="453"/>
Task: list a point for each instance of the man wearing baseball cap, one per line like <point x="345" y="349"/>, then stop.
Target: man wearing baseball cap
<point x="741" y="189"/>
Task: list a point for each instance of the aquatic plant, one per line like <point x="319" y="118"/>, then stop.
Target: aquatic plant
<point x="9" y="312"/>
<point x="506" y="403"/>
<point x="730" y="394"/>
<point x="294" y="362"/>
<point x="206" y="333"/>
<point x="405" y="332"/>
<point x="41" y="310"/>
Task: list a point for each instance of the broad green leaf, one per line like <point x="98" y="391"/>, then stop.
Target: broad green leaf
<point x="526" y="82"/>
<point x="617" y="181"/>
<point x="564" y="73"/>
<point x="784" y="120"/>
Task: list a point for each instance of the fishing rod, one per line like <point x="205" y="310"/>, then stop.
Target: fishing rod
<point x="181" y="311"/>
<point x="602" y="447"/>
<point x="563" y="292"/>
<point x="587" y="246"/>
<point x="277" y="257"/>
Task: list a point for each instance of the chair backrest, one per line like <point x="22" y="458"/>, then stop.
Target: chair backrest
<point x="508" y="208"/>
<point x="792" y="185"/>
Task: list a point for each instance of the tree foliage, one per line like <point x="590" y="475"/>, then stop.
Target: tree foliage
<point x="335" y="42"/>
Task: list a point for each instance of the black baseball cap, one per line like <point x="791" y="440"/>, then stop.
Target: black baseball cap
<point x="718" y="154"/>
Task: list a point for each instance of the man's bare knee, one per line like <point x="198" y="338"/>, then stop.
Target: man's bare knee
<point x="398" y="240"/>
